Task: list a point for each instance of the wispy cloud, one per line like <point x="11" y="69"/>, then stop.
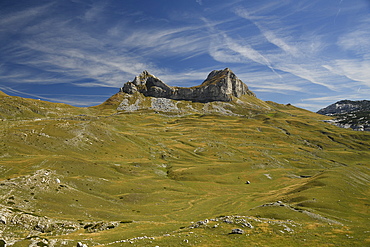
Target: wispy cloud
<point x="283" y="47"/>
<point x="15" y="20"/>
<point x="301" y="58"/>
<point x="94" y="12"/>
<point x="355" y="42"/>
<point x="107" y="59"/>
<point x="200" y="2"/>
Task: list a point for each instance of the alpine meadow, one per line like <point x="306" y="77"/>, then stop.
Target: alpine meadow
<point x="154" y="165"/>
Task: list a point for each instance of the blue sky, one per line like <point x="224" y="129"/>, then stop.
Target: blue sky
<point x="309" y="53"/>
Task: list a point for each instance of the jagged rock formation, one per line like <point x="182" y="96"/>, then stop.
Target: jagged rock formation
<point x="349" y="114"/>
<point x="220" y="85"/>
<point x="221" y="93"/>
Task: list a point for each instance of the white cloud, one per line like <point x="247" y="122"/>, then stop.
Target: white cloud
<point x="302" y="54"/>
<point x="271" y="36"/>
<point x="11" y="22"/>
<point x="354" y="69"/>
<point x="94" y="12"/>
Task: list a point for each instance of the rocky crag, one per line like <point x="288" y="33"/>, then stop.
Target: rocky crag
<point x="221" y="93"/>
<point x="220" y="85"/>
<point x="349" y="114"/>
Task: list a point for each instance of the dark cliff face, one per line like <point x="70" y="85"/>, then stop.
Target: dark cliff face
<point x="220" y="85"/>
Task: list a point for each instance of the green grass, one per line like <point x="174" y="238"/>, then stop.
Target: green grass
<point x="160" y="172"/>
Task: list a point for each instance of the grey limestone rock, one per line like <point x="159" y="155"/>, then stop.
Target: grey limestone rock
<point x="220" y="85"/>
<point x="3" y="219"/>
<point x="237" y="231"/>
<point x="79" y="244"/>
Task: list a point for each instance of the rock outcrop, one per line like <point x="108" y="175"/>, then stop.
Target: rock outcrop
<point x="220" y="85"/>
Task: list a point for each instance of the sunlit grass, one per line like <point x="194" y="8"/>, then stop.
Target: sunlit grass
<point x="160" y="172"/>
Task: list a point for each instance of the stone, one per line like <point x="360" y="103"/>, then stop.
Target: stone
<point x="237" y="231"/>
<point x="79" y="244"/>
<point x="3" y="219"/>
<point x="220" y="85"/>
<point x="247" y="224"/>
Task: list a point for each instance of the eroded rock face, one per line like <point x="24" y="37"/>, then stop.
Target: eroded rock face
<point x="220" y="85"/>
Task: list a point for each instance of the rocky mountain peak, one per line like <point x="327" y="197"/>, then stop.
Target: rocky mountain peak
<point x="217" y="73"/>
<point x="220" y="85"/>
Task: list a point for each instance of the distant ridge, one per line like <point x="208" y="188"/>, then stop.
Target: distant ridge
<point x="345" y="106"/>
<point x="3" y="94"/>
<point x="220" y="85"/>
<point x="349" y="114"/>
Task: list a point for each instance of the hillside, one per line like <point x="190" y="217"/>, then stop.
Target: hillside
<point x="145" y="176"/>
<point x="349" y="114"/>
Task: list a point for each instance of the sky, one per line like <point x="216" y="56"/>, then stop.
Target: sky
<point x="310" y="53"/>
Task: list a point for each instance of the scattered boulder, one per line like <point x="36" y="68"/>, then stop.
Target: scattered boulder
<point x="100" y="226"/>
<point x="79" y="244"/>
<point x="247" y="182"/>
<point x="3" y="220"/>
<point x="237" y="231"/>
<point x="247" y="224"/>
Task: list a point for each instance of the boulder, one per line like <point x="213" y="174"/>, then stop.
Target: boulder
<point x="3" y="219"/>
<point x="237" y="231"/>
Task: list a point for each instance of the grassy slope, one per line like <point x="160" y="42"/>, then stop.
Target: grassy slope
<point x="164" y="172"/>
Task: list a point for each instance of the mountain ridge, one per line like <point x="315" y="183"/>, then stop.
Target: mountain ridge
<point x="349" y="114"/>
<point x="220" y="85"/>
<point x="222" y="93"/>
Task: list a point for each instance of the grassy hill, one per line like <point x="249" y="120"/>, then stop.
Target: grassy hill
<point x="108" y="178"/>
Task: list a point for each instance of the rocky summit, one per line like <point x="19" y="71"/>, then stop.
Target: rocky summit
<point x="220" y="85"/>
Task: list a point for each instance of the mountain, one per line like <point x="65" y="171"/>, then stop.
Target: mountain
<point x="349" y="114"/>
<point x="221" y="93"/>
<point x="220" y="85"/>
<point x="220" y="173"/>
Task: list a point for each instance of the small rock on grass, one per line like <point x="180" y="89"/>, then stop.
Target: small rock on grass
<point x="237" y="231"/>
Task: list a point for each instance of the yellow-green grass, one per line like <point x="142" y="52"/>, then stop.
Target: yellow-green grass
<point x="157" y="173"/>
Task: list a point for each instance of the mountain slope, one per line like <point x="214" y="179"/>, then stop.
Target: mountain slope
<point x="12" y="107"/>
<point x="279" y="173"/>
